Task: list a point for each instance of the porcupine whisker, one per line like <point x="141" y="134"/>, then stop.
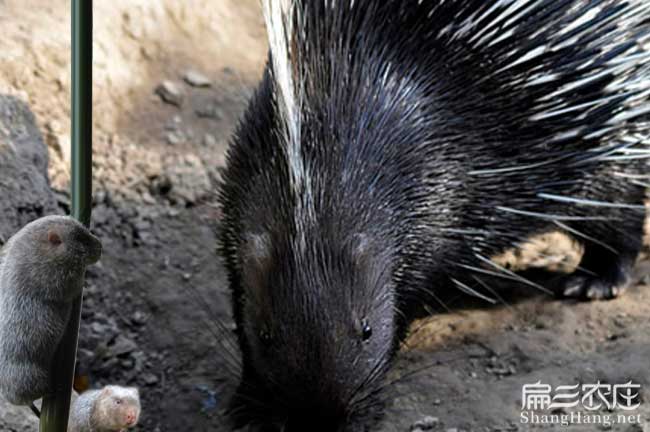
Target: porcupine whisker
<point x="467" y="290"/>
<point x="368" y="378"/>
<point x="434" y="297"/>
<point x="513" y="274"/>
<point x="223" y="336"/>
<point x="224" y="333"/>
<point x="260" y="404"/>
<point x="495" y="294"/>
<point x="488" y="272"/>
<point x="390" y="383"/>
<point x="220" y="333"/>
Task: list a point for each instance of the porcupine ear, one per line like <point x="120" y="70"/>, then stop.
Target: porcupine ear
<point x="255" y="259"/>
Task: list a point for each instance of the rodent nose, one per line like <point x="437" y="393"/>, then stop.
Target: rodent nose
<point x="94" y="246"/>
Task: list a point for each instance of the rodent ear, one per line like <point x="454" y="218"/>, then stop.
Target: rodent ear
<point x="54" y="238"/>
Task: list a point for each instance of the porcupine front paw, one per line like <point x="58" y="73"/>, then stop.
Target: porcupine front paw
<point x="592" y="287"/>
<point x="607" y="264"/>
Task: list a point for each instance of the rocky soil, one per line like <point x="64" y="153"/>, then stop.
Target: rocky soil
<point x="171" y="79"/>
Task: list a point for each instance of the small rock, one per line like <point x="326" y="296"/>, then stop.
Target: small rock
<point x="141" y="225"/>
<point x="98" y="328"/>
<point x="139" y="359"/>
<point x="175" y="138"/>
<point x="170" y="93"/>
<point x="174" y="123"/>
<point x="426" y="423"/>
<point x="139" y="318"/>
<point x="150" y="379"/>
<point x="127" y="363"/>
<point x="209" y="140"/>
<point x="211" y="110"/>
<point x="186" y="180"/>
<point x="196" y="79"/>
<point x="123" y="345"/>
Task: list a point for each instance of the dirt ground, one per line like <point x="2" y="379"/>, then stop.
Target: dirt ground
<point x="150" y="307"/>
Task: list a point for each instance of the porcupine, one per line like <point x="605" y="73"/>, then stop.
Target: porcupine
<point x="390" y="149"/>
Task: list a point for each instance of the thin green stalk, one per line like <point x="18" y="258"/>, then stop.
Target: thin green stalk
<point x="56" y="406"/>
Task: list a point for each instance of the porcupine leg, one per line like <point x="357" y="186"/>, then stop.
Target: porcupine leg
<point x="610" y="252"/>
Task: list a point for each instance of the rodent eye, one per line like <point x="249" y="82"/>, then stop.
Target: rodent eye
<point x="118" y="401"/>
<point x="366" y="330"/>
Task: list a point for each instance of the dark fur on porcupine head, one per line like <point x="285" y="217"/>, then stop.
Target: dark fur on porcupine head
<point x="390" y="150"/>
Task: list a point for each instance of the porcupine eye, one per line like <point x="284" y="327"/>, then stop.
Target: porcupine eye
<point x="265" y="337"/>
<point x="366" y="330"/>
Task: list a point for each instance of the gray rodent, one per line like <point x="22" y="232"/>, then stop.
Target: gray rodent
<point x="42" y="270"/>
<point x="393" y="147"/>
<point x="111" y="409"/>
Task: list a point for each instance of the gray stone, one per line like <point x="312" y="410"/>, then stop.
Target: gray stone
<point x="123" y="345"/>
<point x="187" y="179"/>
<point x="17" y="418"/>
<point x="426" y="423"/>
<point x="169" y="92"/>
<point x="196" y="79"/>
<point x="175" y="138"/>
<point x="211" y="110"/>
<point x="150" y="379"/>
<point x="24" y="185"/>
<point x="209" y="140"/>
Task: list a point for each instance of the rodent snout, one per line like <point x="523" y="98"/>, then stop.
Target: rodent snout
<point x="93" y="248"/>
<point x="131" y="418"/>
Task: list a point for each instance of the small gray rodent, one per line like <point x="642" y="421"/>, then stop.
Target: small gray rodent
<point x="110" y="409"/>
<point x="42" y="271"/>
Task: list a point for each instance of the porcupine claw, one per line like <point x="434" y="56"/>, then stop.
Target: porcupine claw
<point x="588" y="287"/>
